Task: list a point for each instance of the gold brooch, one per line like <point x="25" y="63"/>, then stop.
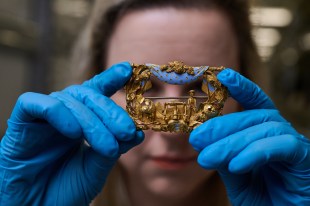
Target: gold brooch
<point x="180" y="114"/>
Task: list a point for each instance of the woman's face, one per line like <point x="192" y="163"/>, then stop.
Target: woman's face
<point x="165" y="163"/>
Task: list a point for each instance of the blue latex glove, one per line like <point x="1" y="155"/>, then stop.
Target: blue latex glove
<point x="260" y="157"/>
<point x="43" y="156"/>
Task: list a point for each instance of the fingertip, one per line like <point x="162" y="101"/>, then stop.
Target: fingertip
<point x="200" y="161"/>
<point x="115" y="78"/>
<point x="197" y="149"/>
<point x="200" y="137"/>
<point x="140" y="136"/>
<point x="232" y="80"/>
<point x="235" y="167"/>
<point x="122" y="126"/>
<point x="123" y="68"/>
<point x="194" y="137"/>
<point x="125" y="146"/>
<point x="104" y="143"/>
<point x="111" y="80"/>
<point x="107" y="149"/>
<point x="226" y="76"/>
<point x="194" y="142"/>
<point x="113" y="152"/>
<point x="204" y="161"/>
<point x="246" y="92"/>
<point x="125" y="133"/>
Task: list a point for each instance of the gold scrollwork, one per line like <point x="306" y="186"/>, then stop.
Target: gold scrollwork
<point x="177" y="115"/>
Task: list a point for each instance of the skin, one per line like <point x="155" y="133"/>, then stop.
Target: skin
<point x="164" y="166"/>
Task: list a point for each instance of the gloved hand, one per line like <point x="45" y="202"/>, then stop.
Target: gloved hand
<point x="260" y="157"/>
<point x="43" y="156"/>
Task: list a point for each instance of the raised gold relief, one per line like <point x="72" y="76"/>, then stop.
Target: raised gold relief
<point x="180" y="114"/>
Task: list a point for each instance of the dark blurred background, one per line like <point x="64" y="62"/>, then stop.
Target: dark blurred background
<point x="36" y="37"/>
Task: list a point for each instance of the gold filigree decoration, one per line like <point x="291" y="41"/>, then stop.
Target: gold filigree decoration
<point x="182" y="114"/>
<point x="177" y="67"/>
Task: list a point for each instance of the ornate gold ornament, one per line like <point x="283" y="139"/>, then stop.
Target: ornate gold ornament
<point x="180" y="114"/>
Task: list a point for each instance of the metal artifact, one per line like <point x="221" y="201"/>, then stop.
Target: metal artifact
<point x="179" y="114"/>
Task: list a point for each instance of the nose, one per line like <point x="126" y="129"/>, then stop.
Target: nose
<point x="174" y="140"/>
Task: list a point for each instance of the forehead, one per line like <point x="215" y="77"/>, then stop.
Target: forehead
<point x="196" y="37"/>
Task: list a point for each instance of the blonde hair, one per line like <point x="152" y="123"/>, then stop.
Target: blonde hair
<point x="89" y="55"/>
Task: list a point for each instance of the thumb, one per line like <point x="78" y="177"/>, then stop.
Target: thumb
<point x="247" y="93"/>
<point x="111" y="80"/>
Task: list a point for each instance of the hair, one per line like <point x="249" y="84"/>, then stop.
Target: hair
<point x="90" y="52"/>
